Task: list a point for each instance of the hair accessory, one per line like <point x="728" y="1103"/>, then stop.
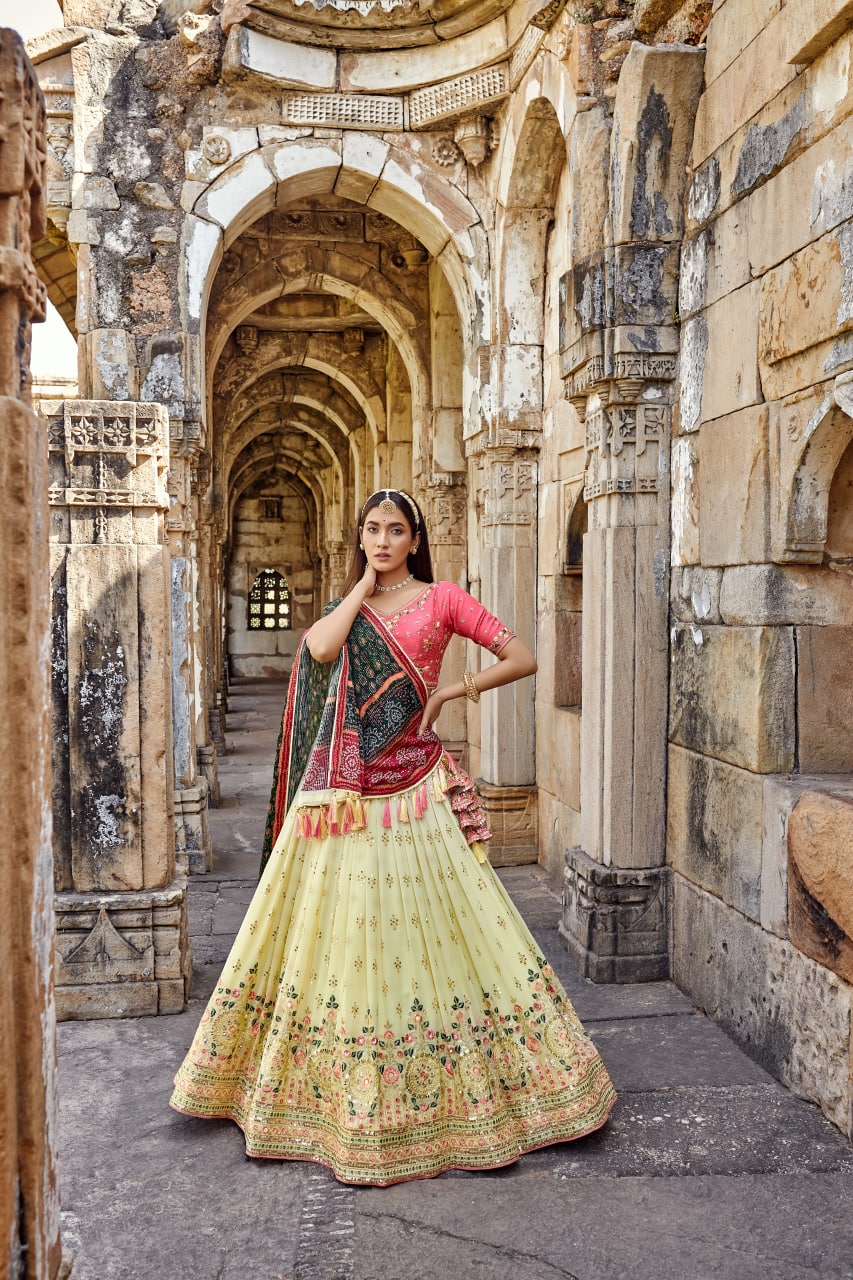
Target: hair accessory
<point x="397" y="585"/>
<point x="388" y="506"/>
<point x="471" y="690"/>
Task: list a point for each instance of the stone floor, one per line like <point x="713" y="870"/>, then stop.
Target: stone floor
<point x="708" y="1167"/>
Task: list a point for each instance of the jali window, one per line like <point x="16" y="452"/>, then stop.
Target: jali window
<point x="269" y="602"/>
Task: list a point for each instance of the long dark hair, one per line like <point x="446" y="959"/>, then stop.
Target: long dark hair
<point x="420" y="561"/>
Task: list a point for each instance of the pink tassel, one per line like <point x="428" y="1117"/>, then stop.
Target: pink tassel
<point x="318" y="826"/>
<point x="386" y="815"/>
<point x="347" y="824"/>
<point x="424" y="799"/>
<point x="306" y="826"/>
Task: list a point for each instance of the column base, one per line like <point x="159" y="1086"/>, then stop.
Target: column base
<point x="192" y="837"/>
<point x="209" y="770"/>
<point x="122" y="955"/>
<point x="614" y="920"/>
<point x="512" y="814"/>
<point x="216" y="720"/>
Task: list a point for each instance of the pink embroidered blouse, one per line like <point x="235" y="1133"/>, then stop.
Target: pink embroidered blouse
<point x="424" y="627"/>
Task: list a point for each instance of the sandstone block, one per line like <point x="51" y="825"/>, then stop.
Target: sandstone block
<point x="107" y="1000"/>
<point x="733" y="483"/>
<point x="714" y="828"/>
<point x="203" y="244"/>
<point x="655" y="106"/>
<point x="732" y="694"/>
<point x="748" y="83"/>
<point x="714" y="263"/>
<point x="589" y="164"/>
<point x="558" y="822"/>
<point x="824" y="699"/>
<point x="791" y="1014"/>
<point x="244" y="192"/>
<point x="171" y="995"/>
<point x="820" y="837"/>
<point x="568" y="628"/>
<point x="363" y="156"/>
<point x="806" y="198"/>
<point x="814" y="24"/>
<point x="396" y="70"/>
<point x="801" y="323"/>
<point x="409" y="196"/>
<point x="730" y="372"/>
<point x="695" y="594"/>
<point x="733" y="26"/>
<point x="774" y="595"/>
<point x="98" y="193"/>
<point x="153" y="195"/>
<point x="685" y="501"/>
<point x="297" y="66"/>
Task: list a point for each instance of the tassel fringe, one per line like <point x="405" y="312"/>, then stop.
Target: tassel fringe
<point x="346" y="811"/>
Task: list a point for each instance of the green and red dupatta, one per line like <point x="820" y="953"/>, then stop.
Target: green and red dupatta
<point x="349" y="732"/>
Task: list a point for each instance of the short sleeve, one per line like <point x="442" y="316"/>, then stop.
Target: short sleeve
<point x="468" y="618"/>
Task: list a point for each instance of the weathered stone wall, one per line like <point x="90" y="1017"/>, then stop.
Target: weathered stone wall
<point x="29" y="1197"/>
<point x="761" y="696"/>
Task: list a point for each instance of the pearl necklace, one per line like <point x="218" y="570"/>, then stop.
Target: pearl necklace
<point x="397" y="585"/>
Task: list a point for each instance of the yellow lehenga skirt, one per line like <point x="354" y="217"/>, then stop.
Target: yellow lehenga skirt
<point x="385" y="1011"/>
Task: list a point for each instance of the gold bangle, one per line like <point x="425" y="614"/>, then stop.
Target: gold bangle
<point x="471" y="690"/>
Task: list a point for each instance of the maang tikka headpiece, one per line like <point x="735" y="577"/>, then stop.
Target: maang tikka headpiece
<point x="388" y="506"/>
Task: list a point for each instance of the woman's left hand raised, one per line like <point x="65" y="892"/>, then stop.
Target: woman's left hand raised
<point x="431" y="711"/>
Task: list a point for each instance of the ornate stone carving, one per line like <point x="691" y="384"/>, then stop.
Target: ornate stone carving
<point x="445" y="151"/>
<point x="120" y="954"/>
<point x="524" y="53"/>
<point x="216" y="149"/>
<point x="344" y="110"/>
<point x="107" y="455"/>
<point x="614" y="920"/>
<point x="59" y="103"/>
<point x="455" y="97"/>
<point x="511" y="495"/>
<point x="473" y="138"/>
<point x="545" y="17"/>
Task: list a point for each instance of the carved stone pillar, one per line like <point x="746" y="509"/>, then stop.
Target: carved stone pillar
<point x="508" y="589"/>
<point x="189" y="708"/>
<point x="619" y="347"/>
<point x="121" y="944"/>
<point x="444" y="505"/>
<point x="29" y="1191"/>
<point x="334" y="571"/>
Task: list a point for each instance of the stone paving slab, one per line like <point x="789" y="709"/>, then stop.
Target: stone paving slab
<point x="708" y="1168"/>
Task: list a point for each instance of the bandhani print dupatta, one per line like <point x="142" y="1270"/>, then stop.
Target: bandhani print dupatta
<point x="339" y="721"/>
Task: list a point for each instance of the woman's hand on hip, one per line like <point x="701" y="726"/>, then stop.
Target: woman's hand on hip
<point x="431" y="711"/>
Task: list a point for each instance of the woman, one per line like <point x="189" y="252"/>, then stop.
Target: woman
<point x="384" y="1009"/>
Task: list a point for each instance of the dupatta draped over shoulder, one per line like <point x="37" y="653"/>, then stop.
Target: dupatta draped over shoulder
<point x="343" y="725"/>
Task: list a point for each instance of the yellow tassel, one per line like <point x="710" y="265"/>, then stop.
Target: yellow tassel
<point x="403" y="812"/>
<point x="479" y="851"/>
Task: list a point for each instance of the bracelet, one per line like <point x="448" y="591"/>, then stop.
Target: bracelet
<point x="471" y="690"/>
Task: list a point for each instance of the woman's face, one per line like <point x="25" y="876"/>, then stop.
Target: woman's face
<point x="387" y="541"/>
